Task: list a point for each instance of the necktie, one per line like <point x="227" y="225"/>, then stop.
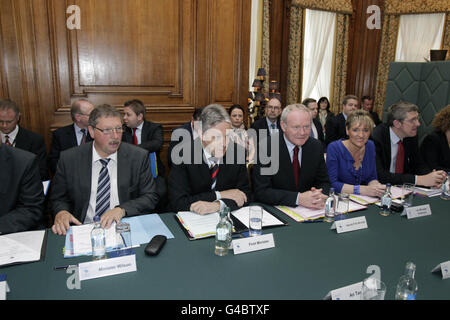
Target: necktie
<point x="214" y="169"/>
<point x="399" y="162"/>
<point x="296" y="165"/>
<point x="135" y="141"/>
<point x="7" y="142"/>
<point x="83" y="138"/>
<point x="103" y="189"/>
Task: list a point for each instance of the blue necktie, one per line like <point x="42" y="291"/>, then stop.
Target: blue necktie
<point x="103" y="189"/>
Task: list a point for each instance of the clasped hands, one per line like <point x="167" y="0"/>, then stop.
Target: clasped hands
<point x="64" y="218"/>
<point x="313" y="199"/>
<point x="205" y="207"/>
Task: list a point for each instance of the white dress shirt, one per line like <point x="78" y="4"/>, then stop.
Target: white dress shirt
<point x="114" y="191"/>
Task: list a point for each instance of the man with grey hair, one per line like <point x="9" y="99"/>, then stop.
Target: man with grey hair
<point x="14" y="135"/>
<point x="73" y="134"/>
<point x="302" y="176"/>
<point x="396" y="143"/>
<point x="104" y="178"/>
<point x="209" y="173"/>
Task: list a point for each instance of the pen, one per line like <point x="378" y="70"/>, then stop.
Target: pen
<point x="64" y="267"/>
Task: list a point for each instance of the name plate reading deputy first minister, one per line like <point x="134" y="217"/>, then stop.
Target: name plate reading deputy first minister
<point x="350" y="224"/>
<point x="417" y="211"/>
<point x="250" y="244"/>
<point x="107" y="267"/>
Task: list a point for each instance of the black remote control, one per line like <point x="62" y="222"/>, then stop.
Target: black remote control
<point x="155" y="245"/>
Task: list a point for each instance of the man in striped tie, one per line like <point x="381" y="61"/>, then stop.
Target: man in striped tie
<point x="212" y="173"/>
<point x="102" y="178"/>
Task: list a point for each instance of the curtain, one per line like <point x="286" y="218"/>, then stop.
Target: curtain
<point x="417" y="34"/>
<point x="318" y="53"/>
<point x="255" y="41"/>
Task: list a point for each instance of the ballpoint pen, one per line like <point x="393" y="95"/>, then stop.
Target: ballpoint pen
<point x="64" y="267"/>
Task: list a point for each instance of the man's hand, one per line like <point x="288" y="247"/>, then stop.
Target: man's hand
<point x="62" y="222"/>
<point x="205" y="207"/>
<point x="110" y="216"/>
<point x="314" y="199"/>
<point x="433" y="179"/>
<point x="234" y="194"/>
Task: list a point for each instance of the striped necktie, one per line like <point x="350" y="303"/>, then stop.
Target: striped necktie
<point x="214" y="169"/>
<point x="103" y="189"/>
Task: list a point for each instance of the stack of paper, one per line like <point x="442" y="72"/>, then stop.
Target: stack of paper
<point x="268" y="220"/>
<point x="21" y="247"/>
<point x="301" y="214"/>
<point x="427" y="192"/>
<point x="397" y="192"/>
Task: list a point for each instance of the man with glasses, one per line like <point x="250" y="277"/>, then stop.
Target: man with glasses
<point x="14" y="135"/>
<point x="72" y="135"/>
<point x="271" y="122"/>
<point x="104" y="178"/>
<point x="397" y="152"/>
<point x="301" y="178"/>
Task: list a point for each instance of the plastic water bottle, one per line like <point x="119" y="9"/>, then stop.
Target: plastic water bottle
<point x="98" y="240"/>
<point x="445" y="194"/>
<point x="386" y="201"/>
<point x="223" y="233"/>
<point x="330" y="206"/>
<point x="407" y="285"/>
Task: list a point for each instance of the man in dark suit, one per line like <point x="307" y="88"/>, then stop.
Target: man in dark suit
<point x="397" y="150"/>
<point x="72" y="135"/>
<point x="189" y="130"/>
<point x="211" y="172"/>
<point x="103" y="178"/>
<point x="16" y="136"/>
<point x="148" y="136"/>
<point x="367" y="104"/>
<point x="335" y="127"/>
<point x="296" y="174"/>
<point x="21" y="192"/>
<point x="271" y="122"/>
<point x="316" y="126"/>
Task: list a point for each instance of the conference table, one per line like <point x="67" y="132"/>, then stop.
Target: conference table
<point x="308" y="261"/>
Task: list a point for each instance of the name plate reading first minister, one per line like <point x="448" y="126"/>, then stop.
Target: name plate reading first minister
<point x="255" y="243"/>
<point x="107" y="267"/>
<point x="352" y="224"/>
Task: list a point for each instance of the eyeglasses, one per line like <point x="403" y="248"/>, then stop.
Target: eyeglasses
<point x="412" y="120"/>
<point x="6" y="122"/>
<point x="273" y="108"/>
<point x="109" y="131"/>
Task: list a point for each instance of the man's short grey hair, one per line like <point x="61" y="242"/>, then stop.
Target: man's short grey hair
<point x="294" y="107"/>
<point x="212" y="115"/>
<point x="76" y="107"/>
<point x="103" y="111"/>
<point x="398" y="111"/>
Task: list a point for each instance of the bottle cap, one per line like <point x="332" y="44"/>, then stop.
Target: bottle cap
<point x="96" y="218"/>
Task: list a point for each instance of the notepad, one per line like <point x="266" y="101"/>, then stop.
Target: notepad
<point x="21" y="247"/>
<point x="199" y="226"/>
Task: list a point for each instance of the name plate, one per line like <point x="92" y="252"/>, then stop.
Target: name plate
<point x="444" y="267"/>
<point x="255" y="243"/>
<point x="352" y="224"/>
<point x="417" y="211"/>
<point x="3" y="287"/>
<point x="351" y="292"/>
<point x="107" y="267"/>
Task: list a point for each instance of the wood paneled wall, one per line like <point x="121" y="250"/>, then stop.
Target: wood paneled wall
<point x="174" y="55"/>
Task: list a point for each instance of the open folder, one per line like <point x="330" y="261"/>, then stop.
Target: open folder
<point x="196" y="226"/>
<point x="22" y="247"/>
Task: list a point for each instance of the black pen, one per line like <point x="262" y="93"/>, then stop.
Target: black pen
<point x="64" y="267"/>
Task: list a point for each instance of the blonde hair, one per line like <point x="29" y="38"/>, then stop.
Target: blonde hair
<point x="359" y="116"/>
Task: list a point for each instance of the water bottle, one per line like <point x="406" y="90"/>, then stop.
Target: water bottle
<point x="445" y="194"/>
<point x="98" y="240"/>
<point x="386" y="201"/>
<point x="223" y="233"/>
<point x="407" y="285"/>
<point x="330" y="206"/>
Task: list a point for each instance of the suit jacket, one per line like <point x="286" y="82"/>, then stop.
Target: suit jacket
<point x="21" y="192"/>
<point x="72" y="182"/>
<point x="435" y="151"/>
<point x="279" y="187"/>
<point x="62" y="139"/>
<point x="375" y="117"/>
<point x="413" y="164"/>
<point x="34" y="143"/>
<point x="190" y="182"/>
<point x="262" y="124"/>
<point x="319" y="128"/>
<point x="151" y="136"/>
<point x="177" y="137"/>
<point x="335" y="129"/>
